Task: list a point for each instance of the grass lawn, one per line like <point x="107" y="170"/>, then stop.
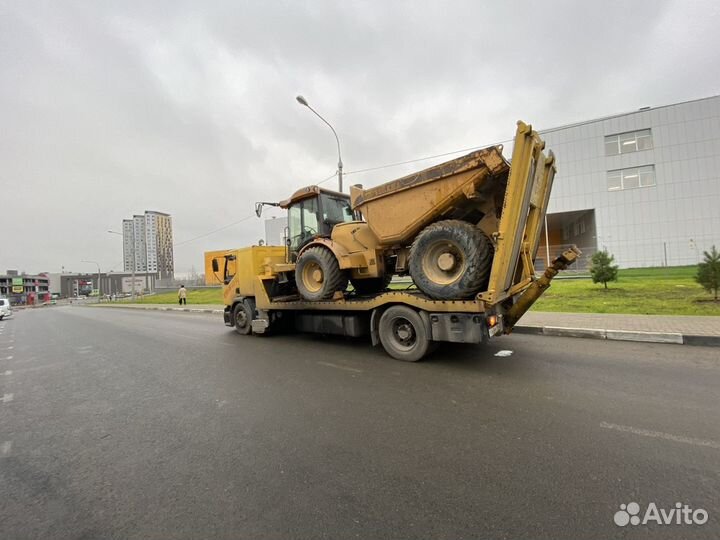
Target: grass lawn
<point x="650" y="291"/>
<point x="199" y="296"/>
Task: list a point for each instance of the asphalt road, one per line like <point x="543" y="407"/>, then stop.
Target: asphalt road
<point x="126" y="424"/>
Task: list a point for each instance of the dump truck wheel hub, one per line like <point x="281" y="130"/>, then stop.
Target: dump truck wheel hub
<point x="443" y="263"/>
<point x="313" y="277"/>
<point x="446" y="261"/>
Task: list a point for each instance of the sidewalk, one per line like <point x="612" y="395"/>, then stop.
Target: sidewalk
<point x="680" y="330"/>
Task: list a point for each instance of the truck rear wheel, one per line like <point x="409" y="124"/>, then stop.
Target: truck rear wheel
<point x="450" y="260"/>
<point x="243" y="315"/>
<point x="403" y="334"/>
<point x="318" y="275"/>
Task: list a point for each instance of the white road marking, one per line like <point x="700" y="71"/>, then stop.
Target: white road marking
<point x="328" y="364"/>
<point x="5" y="448"/>
<point x="661" y="435"/>
<point x="9" y="357"/>
<point x="10" y="348"/>
<point x="504" y="353"/>
<point x="8" y="372"/>
<point x="7" y="398"/>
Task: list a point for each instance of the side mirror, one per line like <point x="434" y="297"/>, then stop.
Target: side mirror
<point x="258" y="209"/>
<point x="215" y="265"/>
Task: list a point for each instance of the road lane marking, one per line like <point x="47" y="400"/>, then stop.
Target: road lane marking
<point x="504" y="353"/>
<point x="328" y="364"/>
<point x="7" y="398"/>
<point x="9" y="357"/>
<point x="5" y="448"/>
<point x="10" y="348"/>
<point x="661" y="435"/>
<point x="8" y="372"/>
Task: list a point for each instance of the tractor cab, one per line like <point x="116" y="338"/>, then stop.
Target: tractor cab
<point x="312" y="213"/>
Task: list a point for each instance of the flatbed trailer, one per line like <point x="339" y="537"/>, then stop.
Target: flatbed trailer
<point x="507" y="201"/>
<point x="405" y="322"/>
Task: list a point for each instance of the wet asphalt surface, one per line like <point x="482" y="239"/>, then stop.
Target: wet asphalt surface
<point x="126" y="424"/>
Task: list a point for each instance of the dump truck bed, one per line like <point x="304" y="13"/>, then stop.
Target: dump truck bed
<point x="454" y="189"/>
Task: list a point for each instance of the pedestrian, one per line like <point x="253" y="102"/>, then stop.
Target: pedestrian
<point x="182" y="295"/>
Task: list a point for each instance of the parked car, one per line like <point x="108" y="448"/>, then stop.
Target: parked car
<point x="5" y="309"/>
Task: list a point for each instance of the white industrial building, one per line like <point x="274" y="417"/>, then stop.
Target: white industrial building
<point x="644" y="185"/>
<point x="275" y="231"/>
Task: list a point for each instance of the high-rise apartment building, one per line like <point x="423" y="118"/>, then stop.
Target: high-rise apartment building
<point x="148" y="243"/>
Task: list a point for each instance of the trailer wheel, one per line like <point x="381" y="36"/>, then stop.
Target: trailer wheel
<point x="450" y="260"/>
<point x="318" y="275"/>
<point x="371" y="285"/>
<point x="403" y="334"/>
<point x="242" y="317"/>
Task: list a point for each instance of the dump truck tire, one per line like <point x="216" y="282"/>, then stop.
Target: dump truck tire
<point x="403" y="334"/>
<point x="450" y="260"/>
<point x="242" y="317"/>
<point x="318" y="275"/>
<point x="371" y="285"/>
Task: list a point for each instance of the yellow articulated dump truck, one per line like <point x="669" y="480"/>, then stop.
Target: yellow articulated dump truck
<point x="466" y="232"/>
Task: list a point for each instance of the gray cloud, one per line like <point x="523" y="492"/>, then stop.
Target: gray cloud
<point x="110" y="108"/>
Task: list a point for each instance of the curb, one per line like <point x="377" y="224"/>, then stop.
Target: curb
<point x="161" y="308"/>
<point x="621" y="335"/>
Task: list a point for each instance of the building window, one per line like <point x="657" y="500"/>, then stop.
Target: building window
<point x="632" y="141"/>
<point x="631" y="178"/>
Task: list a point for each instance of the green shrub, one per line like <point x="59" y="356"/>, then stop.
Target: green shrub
<point x="602" y="269"/>
<point x="708" y="273"/>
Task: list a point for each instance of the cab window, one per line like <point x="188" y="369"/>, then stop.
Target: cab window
<point x="336" y="210"/>
<point x="302" y="223"/>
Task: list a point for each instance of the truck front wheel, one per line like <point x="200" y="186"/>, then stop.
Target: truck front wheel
<point x="242" y="317"/>
<point x="403" y="334"/>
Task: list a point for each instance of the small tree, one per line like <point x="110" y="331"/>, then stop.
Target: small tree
<point x="602" y="269"/>
<point x="708" y="274"/>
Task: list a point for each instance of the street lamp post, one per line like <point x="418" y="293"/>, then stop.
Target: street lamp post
<point x="302" y="101"/>
<point x="98" y="266"/>
<point x="132" y="294"/>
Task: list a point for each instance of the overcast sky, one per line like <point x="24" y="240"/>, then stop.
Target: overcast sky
<point x="111" y="108"/>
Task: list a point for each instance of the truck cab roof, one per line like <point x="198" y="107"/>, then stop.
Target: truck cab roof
<point x="310" y="191"/>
